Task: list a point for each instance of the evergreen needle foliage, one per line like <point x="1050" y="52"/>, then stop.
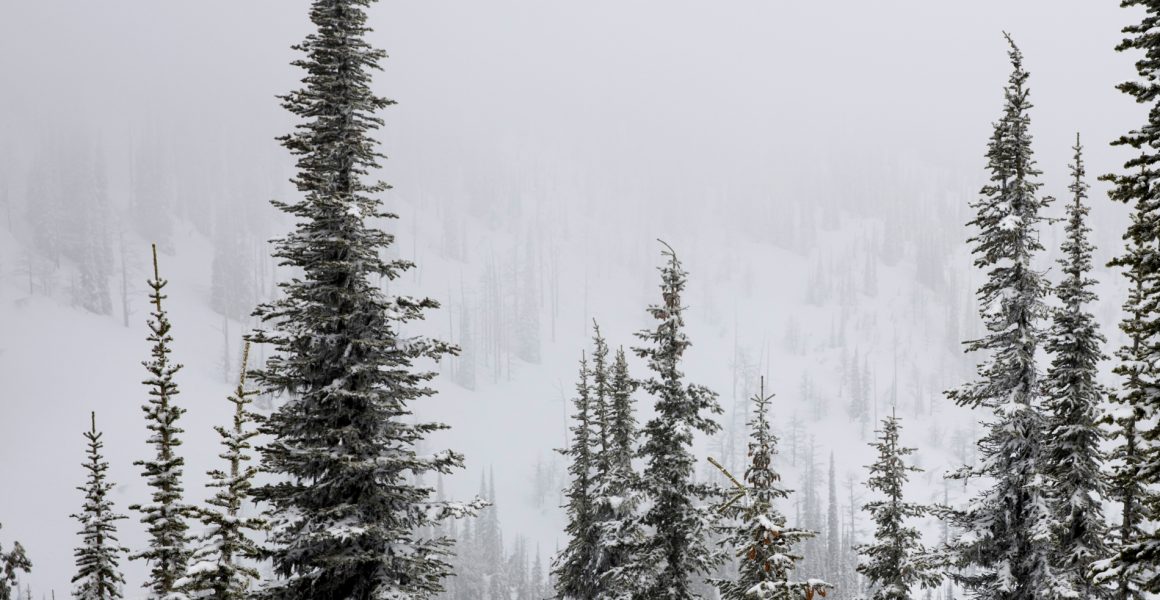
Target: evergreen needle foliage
<point x="756" y="531"/>
<point x="1073" y="455"/>
<point x="600" y="560"/>
<point x="348" y="507"/>
<point x="575" y="568"/>
<point x="98" y="557"/>
<point x="897" y="561"/>
<point x="678" y="517"/>
<point x="1134" y="458"/>
<point x="222" y="566"/>
<point x="11" y="564"/>
<point x="166" y="515"/>
<point x="1005" y="549"/>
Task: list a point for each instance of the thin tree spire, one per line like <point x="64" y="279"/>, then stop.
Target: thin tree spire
<point x="98" y="575"/>
<point x="166" y="515"/>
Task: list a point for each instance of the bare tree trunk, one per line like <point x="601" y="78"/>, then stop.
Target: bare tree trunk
<point x="226" y="367"/>
<point x="124" y="276"/>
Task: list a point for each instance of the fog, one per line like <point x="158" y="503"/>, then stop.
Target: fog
<point x="784" y="149"/>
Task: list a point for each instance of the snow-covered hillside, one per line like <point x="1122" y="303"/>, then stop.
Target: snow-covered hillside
<point x="819" y="206"/>
<point x="804" y="318"/>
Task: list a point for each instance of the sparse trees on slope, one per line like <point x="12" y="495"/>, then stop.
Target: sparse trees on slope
<point x="98" y="557"/>
<point x="86" y="230"/>
<point x="833" y="534"/>
<point x="232" y="287"/>
<point x="218" y="568"/>
<point x="1074" y="460"/>
<point x="677" y="548"/>
<point x="1007" y="529"/>
<point x="897" y="561"/>
<point x="756" y="531"/>
<point x="348" y="516"/>
<point x="165" y="517"/>
<point x="1135" y="462"/>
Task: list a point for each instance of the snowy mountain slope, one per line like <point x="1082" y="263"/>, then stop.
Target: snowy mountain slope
<point x="749" y="301"/>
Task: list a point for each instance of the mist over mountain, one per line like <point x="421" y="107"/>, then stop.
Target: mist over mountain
<point x="814" y="166"/>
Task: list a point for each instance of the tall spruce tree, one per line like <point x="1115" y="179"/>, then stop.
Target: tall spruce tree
<point x="678" y="515"/>
<point x="756" y="531"/>
<point x="1005" y="550"/>
<point x="601" y="401"/>
<point x="98" y="557"/>
<point x="220" y="566"/>
<point x="1074" y="461"/>
<point x="616" y="496"/>
<point x="348" y="515"/>
<point x="897" y="561"/>
<point x="166" y="516"/>
<point x="575" y="567"/>
<point x="1134" y="459"/>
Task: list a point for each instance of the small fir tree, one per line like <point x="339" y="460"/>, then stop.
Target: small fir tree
<point x="575" y="568"/>
<point x="98" y="557"/>
<point x="165" y="517"/>
<point x="897" y="561"/>
<point x="756" y="531"/>
<point x="11" y="564"/>
<point x="220" y="567"/>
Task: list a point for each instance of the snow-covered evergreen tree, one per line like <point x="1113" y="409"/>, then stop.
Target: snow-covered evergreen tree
<point x="219" y="568"/>
<point x="1074" y="460"/>
<point x="489" y="539"/>
<point x="98" y="557"/>
<point x="575" y="567"/>
<point x="538" y="586"/>
<point x="678" y="515"/>
<point x="348" y="516"/>
<point x="897" y="561"/>
<point x="12" y="563"/>
<point x="1005" y="547"/>
<point x="616" y="496"/>
<point x="756" y="532"/>
<point x="601" y="403"/>
<point x="1134" y="459"/>
<point x="1130" y="420"/>
<point x="809" y="515"/>
<point x="166" y="515"/>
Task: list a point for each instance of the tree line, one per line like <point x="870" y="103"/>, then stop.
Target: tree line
<point x="347" y="515"/>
